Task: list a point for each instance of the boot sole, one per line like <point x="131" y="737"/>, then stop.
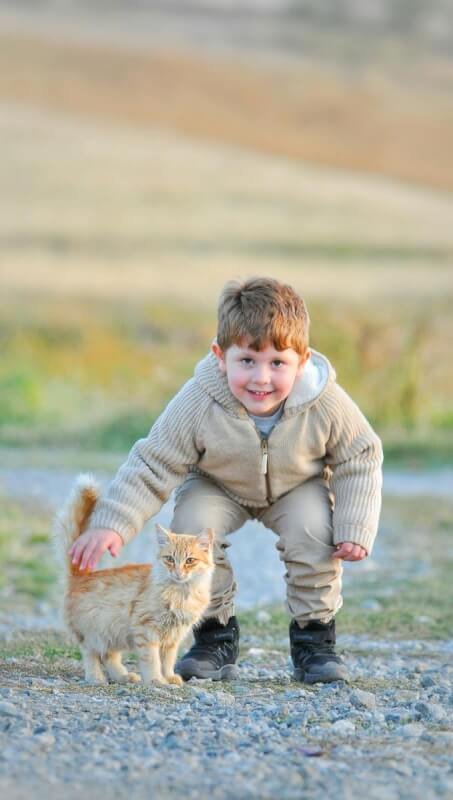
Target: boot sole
<point x="329" y="675"/>
<point x="191" y="669"/>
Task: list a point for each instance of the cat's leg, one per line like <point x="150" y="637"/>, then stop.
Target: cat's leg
<point x="116" y="669"/>
<point x="92" y="664"/>
<point x="149" y="659"/>
<point x="168" y="652"/>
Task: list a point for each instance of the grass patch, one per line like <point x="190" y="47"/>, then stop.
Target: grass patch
<point x="80" y="376"/>
<point x="53" y="650"/>
<point x="27" y="569"/>
<point x="419" y="609"/>
<point x="49" y="645"/>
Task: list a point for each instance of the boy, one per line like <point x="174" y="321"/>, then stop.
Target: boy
<point x="262" y="431"/>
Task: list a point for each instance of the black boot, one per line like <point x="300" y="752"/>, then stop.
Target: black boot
<point x="313" y="652"/>
<point x="214" y="653"/>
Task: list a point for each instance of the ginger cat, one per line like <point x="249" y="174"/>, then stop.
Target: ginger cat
<point x="138" y="607"/>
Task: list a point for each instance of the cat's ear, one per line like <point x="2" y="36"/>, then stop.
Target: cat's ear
<point x="162" y="535"/>
<point x="205" y="539"/>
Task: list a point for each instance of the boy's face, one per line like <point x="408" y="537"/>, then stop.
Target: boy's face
<point x="260" y="380"/>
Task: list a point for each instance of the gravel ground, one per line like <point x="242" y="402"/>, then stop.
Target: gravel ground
<point x="387" y="732"/>
<point x="262" y="736"/>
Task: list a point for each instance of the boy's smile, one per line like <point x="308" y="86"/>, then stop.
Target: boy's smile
<point x="260" y="380"/>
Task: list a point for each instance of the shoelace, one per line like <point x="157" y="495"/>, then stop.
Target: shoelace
<point x="320" y="652"/>
<point x="217" y="651"/>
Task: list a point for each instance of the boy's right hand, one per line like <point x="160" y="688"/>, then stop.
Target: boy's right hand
<point x="91" y="545"/>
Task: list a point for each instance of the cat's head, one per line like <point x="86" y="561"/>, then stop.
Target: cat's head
<point x="185" y="556"/>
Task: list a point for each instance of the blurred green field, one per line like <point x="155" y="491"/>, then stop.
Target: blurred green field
<point x="74" y="374"/>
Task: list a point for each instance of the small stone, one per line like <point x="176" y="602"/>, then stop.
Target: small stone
<point x="294" y="694"/>
<point x="45" y="740"/>
<point x="400" y="767"/>
<point x="206" y="698"/>
<point x="343" y="727"/>
<point x="407" y="695"/>
<point x="256" y="652"/>
<point x="370" y="604"/>
<point x="395" y="715"/>
<point x="361" y="699"/>
<point x="225" y="699"/>
<point x="431" y="711"/>
<point x="239" y="689"/>
<point x="445" y="738"/>
<point x="9" y="710"/>
<point x="421" y="666"/>
<point x="411" y="730"/>
<point x="263" y="616"/>
<point x="40" y="729"/>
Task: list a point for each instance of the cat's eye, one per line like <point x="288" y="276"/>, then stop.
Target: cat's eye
<point x="191" y="560"/>
<point x="169" y="559"/>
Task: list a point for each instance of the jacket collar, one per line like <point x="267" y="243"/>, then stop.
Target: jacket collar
<point x="317" y="374"/>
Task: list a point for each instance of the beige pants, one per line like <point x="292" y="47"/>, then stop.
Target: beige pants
<point x="302" y="520"/>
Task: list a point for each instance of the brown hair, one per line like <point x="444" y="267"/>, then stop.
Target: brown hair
<point x="263" y="311"/>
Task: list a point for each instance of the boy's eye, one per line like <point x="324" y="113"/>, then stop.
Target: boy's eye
<point x="247" y="361"/>
<point x="191" y="560"/>
<point x="277" y="362"/>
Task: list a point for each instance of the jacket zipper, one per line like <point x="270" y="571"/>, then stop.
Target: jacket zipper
<point x="265" y="467"/>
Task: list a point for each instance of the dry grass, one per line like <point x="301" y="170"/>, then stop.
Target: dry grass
<point x="81" y="202"/>
<point x="364" y="123"/>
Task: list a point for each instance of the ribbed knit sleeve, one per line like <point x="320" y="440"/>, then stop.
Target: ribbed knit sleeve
<point x="354" y="453"/>
<point x="154" y="467"/>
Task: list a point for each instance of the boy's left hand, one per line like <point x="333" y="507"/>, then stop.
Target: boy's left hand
<point x="349" y="551"/>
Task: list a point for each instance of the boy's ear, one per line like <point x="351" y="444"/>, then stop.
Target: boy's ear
<point x="162" y="535"/>
<point x="205" y="539"/>
<point x="303" y="360"/>
<point x="219" y="354"/>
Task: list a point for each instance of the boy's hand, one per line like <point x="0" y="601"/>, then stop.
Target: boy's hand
<point x="91" y="545"/>
<point x="349" y="551"/>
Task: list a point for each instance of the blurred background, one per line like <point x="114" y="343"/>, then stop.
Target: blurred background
<point x="153" y="150"/>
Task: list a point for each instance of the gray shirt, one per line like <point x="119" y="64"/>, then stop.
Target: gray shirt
<point x="265" y="424"/>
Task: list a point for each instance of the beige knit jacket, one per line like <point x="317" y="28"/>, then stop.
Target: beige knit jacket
<point x="204" y="429"/>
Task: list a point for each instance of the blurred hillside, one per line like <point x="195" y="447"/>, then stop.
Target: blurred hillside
<point x="363" y="86"/>
<point x="152" y="151"/>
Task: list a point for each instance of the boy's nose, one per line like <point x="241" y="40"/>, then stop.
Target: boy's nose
<point x="261" y="375"/>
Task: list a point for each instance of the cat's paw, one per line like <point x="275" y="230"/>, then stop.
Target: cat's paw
<point x="154" y="681"/>
<point x="133" y="677"/>
<point x="175" y="679"/>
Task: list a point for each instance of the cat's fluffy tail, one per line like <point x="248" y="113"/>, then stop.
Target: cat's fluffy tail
<point x="73" y="518"/>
